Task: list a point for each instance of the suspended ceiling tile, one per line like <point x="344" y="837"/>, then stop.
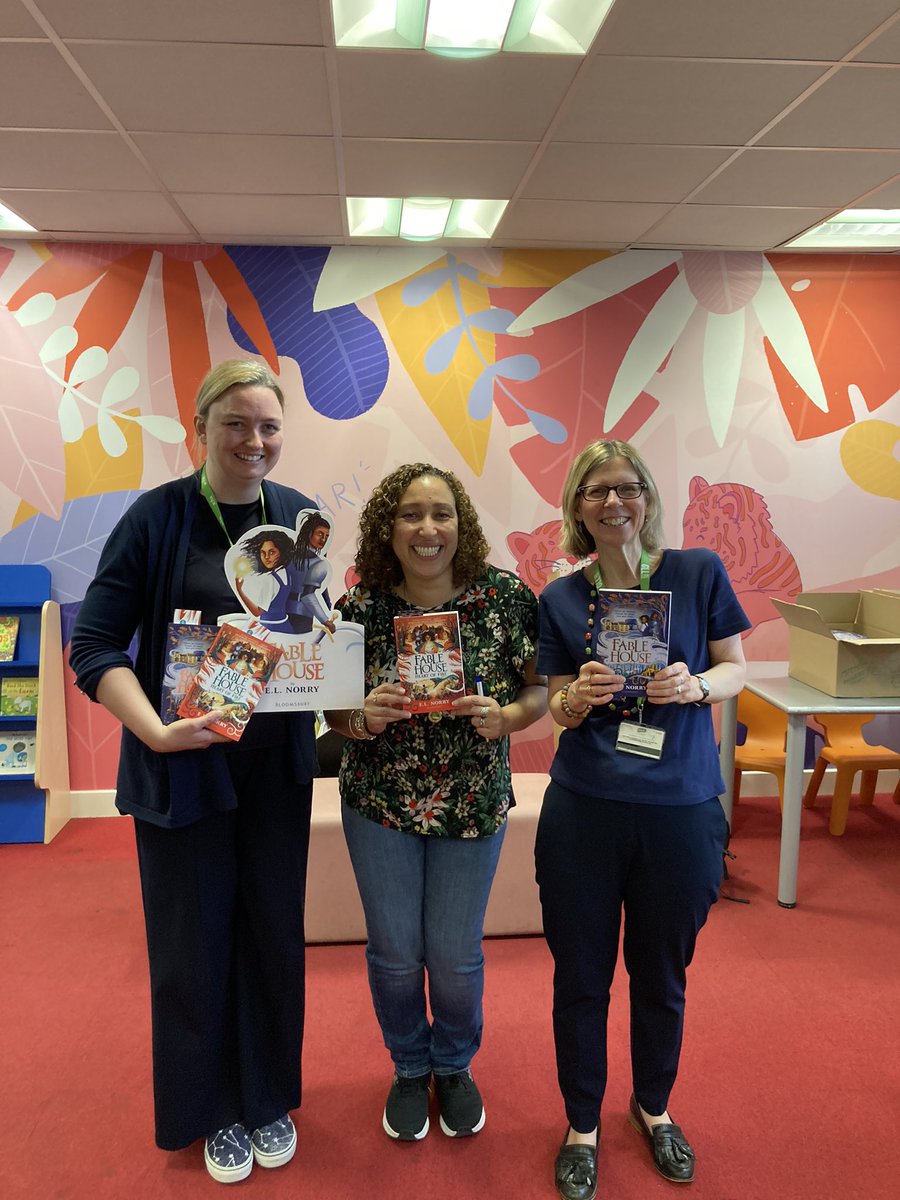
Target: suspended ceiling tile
<point x="240" y="163"/>
<point x="578" y="221"/>
<point x="741" y="228"/>
<point x="679" y="103"/>
<point x="857" y="106"/>
<point x="94" y="212"/>
<point x="579" y="171"/>
<point x="799" y="178"/>
<point x="776" y="29"/>
<point x="38" y="90"/>
<point x="71" y="159"/>
<point x="417" y="95"/>
<point x="188" y="87"/>
<point x="243" y="218"/>
<point x="279" y="22"/>
<point x="482" y="170"/>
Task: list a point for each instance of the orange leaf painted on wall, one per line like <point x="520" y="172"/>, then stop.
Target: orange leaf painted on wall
<point x="848" y="305"/>
<point x="444" y="352"/>
<point x="869" y="455"/>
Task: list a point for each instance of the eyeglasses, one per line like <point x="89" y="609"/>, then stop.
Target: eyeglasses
<point x="599" y="491"/>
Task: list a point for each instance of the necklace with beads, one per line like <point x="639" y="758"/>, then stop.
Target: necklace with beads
<point x="636" y="705"/>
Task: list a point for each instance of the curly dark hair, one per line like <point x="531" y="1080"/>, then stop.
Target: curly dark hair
<point x="377" y="564"/>
<point x="281" y="541"/>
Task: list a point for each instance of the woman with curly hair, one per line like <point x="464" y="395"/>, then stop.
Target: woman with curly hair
<point x="425" y="795"/>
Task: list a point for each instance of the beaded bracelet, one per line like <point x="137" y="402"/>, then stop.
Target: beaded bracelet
<point x="575" y="714"/>
<point x="359" y="728"/>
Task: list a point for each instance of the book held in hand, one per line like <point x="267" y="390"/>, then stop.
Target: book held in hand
<point x="9" y="632"/>
<point x="230" y="680"/>
<point x="186" y="647"/>
<point x="19" y="696"/>
<point x="632" y="635"/>
<point x="429" y="659"/>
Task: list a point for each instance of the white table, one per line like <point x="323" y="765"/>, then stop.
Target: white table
<point x="798" y="700"/>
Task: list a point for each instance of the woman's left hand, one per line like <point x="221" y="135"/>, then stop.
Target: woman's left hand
<point x="485" y="713"/>
<point x="674" y="684"/>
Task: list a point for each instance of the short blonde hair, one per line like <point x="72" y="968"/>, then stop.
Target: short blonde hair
<point x="234" y="372"/>
<point x="575" y="538"/>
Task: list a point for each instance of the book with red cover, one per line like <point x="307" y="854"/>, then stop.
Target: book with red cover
<point x="186" y="647"/>
<point x="429" y="659"/>
<point x="230" y="680"/>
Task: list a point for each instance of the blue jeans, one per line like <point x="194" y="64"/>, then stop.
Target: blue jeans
<point x="424" y="898"/>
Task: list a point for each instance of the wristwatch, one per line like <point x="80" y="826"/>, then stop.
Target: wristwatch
<point x="704" y="688"/>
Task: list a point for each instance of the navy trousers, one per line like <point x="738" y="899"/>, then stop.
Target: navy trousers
<point x="223" y="906"/>
<point x="661" y="865"/>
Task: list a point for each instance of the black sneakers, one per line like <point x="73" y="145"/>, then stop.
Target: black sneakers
<point x="462" y="1112"/>
<point x="406" y="1111"/>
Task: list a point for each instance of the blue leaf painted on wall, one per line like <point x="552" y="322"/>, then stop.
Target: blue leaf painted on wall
<point x="340" y="352"/>
<point x="71" y="546"/>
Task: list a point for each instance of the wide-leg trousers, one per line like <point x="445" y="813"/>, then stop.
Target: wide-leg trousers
<point x="223" y="907"/>
<point x="662" y="866"/>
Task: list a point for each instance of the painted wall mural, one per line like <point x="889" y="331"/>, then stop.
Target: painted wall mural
<point x="764" y="391"/>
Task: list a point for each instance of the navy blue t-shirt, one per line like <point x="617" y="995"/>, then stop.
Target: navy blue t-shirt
<point x="704" y="609"/>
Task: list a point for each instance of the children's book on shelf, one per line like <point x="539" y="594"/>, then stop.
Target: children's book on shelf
<point x="230" y="680"/>
<point x="9" y="632"/>
<point x="17" y="751"/>
<point x="633" y="635"/>
<point x="19" y="696"/>
<point x="186" y="647"/>
<point x="429" y="659"/>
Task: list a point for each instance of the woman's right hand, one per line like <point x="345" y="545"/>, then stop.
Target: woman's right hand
<point x="190" y="733"/>
<point x="596" y="683"/>
<point x="386" y="703"/>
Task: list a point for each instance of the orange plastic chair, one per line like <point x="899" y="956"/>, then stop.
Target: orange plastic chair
<point x="846" y="749"/>
<point x="764" y="748"/>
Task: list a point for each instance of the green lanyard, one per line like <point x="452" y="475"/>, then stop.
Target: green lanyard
<point x="645" y="573"/>
<point x="210" y="497"/>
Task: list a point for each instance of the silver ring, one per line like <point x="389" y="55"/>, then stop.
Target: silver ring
<point x="484" y="712"/>
<point x="678" y="689"/>
<point x="481" y="722"/>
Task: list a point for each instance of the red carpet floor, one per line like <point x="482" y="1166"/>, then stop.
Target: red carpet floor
<point x="790" y="1081"/>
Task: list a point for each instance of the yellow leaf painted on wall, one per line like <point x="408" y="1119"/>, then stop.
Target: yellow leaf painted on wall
<point x="90" y="471"/>
<point x="868" y="455"/>
<point x="542" y="268"/>
<point x="413" y="330"/>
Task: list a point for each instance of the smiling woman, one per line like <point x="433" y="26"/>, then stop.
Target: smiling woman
<point x="424" y="801"/>
<point x="222" y="829"/>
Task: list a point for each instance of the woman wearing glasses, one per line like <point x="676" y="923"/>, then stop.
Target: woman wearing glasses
<point x="631" y="819"/>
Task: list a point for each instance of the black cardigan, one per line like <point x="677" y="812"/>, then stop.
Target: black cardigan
<point x="138" y="585"/>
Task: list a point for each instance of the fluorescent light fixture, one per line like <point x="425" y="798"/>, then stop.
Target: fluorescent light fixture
<point x="11" y="222"/>
<point x="853" y="229"/>
<point x="470" y="28"/>
<point x="423" y="218"/>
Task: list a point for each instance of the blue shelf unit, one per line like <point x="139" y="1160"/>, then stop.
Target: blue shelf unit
<point x="23" y="590"/>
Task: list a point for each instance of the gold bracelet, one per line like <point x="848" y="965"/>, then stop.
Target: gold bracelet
<point x="359" y="729"/>
<point x="575" y="714"/>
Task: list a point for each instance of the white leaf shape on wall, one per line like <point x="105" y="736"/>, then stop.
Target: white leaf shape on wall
<point x="661" y="329"/>
<point x="121" y="385"/>
<point x="58" y="344"/>
<point x="71" y="422"/>
<point x="589" y="286"/>
<point x="166" y="429"/>
<point x="723" y="355"/>
<point x="88" y="365"/>
<point x="36" y="309"/>
<point x="353" y="272"/>
<point x="781" y="324"/>
<point x="112" y="439"/>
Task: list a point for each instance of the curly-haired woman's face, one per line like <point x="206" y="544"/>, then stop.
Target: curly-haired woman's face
<point x="269" y="556"/>
<point x="426" y="531"/>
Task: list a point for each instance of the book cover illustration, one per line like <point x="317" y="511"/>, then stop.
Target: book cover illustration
<point x="186" y="647"/>
<point x="17" y="752"/>
<point x="633" y="635"/>
<point x="230" y="680"/>
<point x="19" y="696"/>
<point x="9" y="632"/>
<point x="429" y="659"/>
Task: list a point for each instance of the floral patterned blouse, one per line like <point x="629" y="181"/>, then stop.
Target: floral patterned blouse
<point x="440" y="777"/>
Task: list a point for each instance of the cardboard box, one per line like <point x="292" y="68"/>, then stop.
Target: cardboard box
<point x="869" y="667"/>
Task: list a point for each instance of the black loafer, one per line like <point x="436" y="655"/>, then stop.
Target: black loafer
<point x="671" y="1152"/>
<point x="575" y="1171"/>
